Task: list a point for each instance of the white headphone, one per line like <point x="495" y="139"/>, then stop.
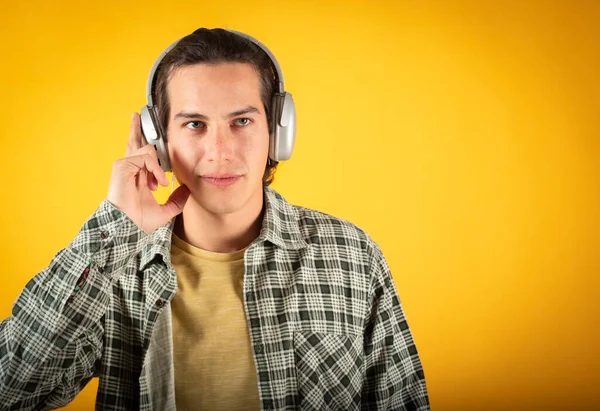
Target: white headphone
<point x="282" y="131"/>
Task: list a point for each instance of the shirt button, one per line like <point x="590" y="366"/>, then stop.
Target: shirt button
<point x="70" y="300"/>
<point x="258" y="349"/>
<point x="160" y="303"/>
<point x="103" y="234"/>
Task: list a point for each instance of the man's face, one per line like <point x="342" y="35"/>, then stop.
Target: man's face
<point x="218" y="136"/>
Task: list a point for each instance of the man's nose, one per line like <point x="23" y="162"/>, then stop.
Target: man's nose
<point x="219" y="144"/>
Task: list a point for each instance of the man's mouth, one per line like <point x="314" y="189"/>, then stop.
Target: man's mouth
<point x="221" y="180"/>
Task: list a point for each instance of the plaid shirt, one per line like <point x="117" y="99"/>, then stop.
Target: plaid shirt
<point x="326" y="326"/>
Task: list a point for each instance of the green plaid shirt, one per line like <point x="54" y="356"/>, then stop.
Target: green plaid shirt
<point x="326" y="326"/>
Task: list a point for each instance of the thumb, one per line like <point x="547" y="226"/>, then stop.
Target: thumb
<point x="176" y="201"/>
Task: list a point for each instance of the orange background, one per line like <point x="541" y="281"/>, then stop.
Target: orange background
<point x="462" y="135"/>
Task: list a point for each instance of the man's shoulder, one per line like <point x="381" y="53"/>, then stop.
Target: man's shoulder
<point x="317" y="226"/>
<point x="305" y="225"/>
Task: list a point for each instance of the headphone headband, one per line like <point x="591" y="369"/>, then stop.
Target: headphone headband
<point x="149" y="86"/>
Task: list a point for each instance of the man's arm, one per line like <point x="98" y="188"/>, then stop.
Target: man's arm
<point x="394" y="378"/>
<point x="50" y="345"/>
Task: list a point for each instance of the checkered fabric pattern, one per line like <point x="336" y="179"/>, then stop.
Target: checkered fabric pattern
<point x="326" y="325"/>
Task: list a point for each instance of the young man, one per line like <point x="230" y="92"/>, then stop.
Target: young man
<point x="226" y="297"/>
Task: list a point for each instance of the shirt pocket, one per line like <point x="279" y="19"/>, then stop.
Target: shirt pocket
<point x="329" y="370"/>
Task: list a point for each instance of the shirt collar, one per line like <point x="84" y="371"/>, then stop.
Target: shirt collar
<point x="280" y="226"/>
<point x="281" y="222"/>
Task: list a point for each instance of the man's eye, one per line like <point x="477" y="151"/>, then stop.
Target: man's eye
<point x="243" y="121"/>
<point x="194" y="124"/>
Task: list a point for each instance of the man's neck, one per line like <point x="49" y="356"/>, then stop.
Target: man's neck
<point x="221" y="233"/>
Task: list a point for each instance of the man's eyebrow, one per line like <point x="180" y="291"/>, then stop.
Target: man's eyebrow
<point x="247" y="110"/>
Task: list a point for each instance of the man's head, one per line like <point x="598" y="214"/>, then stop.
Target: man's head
<point x="213" y="92"/>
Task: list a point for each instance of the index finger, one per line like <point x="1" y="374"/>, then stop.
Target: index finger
<point x="135" y="141"/>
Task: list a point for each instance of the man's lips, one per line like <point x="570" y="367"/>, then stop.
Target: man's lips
<point x="221" y="181"/>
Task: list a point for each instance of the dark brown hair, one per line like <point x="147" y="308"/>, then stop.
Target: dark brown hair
<point x="216" y="46"/>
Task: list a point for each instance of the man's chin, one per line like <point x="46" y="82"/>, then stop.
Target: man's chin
<point x="218" y="202"/>
<point x="227" y="200"/>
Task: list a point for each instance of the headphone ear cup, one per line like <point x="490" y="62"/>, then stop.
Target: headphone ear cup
<point x="283" y="128"/>
<point x="148" y="128"/>
<point x="154" y="135"/>
<point x="275" y="114"/>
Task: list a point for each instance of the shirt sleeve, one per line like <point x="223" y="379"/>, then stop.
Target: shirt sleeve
<point x="393" y="378"/>
<point x="51" y="344"/>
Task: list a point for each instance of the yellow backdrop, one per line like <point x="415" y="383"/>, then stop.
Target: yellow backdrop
<point x="464" y="136"/>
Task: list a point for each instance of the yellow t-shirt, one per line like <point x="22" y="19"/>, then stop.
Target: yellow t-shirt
<point x="214" y="366"/>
